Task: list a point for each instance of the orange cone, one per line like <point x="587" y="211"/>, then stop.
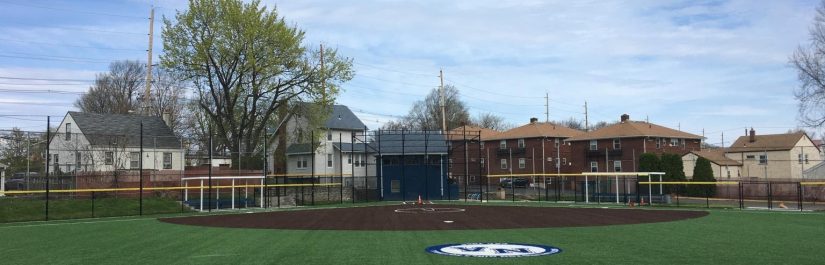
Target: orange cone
<point x="419" y="200"/>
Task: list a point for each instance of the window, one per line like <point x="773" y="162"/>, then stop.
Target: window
<point x="77" y="160"/>
<point x="502" y="144"/>
<point x="167" y="160"/>
<point x="763" y="159"/>
<point x="593" y="145"/>
<point x="750" y="157"/>
<point x="658" y="143"/>
<point x="617" y="166"/>
<point x="68" y="131"/>
<point x="329" y="136"/>
<point x="395" y="186"/>
<point x="329" y="160"/>
<point x="109" y="158"/>
<point x="617" y="143"/>
<point x="520" y="143"/>
<point x="301" y="163"/>
<point x="806" y="158"/>
<point x="521" y="162"/>
<point x="360" y="161"/>
<point x="564" y="161"/>
<point x="674" y="142"/>
<point x="482" y="162"/>
<point x="349" y="159"/>
<point x="799" y="158"/>
<point x="504" y="164"/>
<point x="594" y="166"/>
<point x="56" y="159"/>
<point x="682" y="142"/>
<point x="450" y="163"/>
<point x="482" y="145"/>
<point x="134" y="160"/>
<point x="556" y="144"/>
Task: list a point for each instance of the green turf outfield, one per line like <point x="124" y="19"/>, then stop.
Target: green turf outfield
<point x="723" y="237"/>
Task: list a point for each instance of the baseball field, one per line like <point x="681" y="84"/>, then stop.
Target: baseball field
<point x="392" y="233"/>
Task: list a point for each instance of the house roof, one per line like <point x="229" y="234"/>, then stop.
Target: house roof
<point x="628" y="129"/>
<point x="295" y="149"/>
<point x="342" y="118"/>
<point x="536" y="130"/>
<point x="470" y="132"/>
<point x="103" y="129"/>
<point x="409" y="142"/>
<point x="767" y="142"/>
<point x="717" y="157"/>
<point x="352" y="148"/>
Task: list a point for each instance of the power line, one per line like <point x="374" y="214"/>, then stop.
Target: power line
<point x="40" y="91"/>
<point x="72" y="46"/>
<point x="46" y="79"/>
<point x="46" y="58"/>
<point x="391" y="70"/>
<point x="72" y="10"/>
<point x="487" y="91"/>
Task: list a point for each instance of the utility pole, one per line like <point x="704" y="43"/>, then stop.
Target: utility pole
<point x="443" y="102"/>
<point x="586" y="121"/>
<point x="146" y="94"/>
<point x="323" y="80"/>
<point x="547" y="107"/>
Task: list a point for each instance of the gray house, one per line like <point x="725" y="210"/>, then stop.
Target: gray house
<point x="108" y="142"/>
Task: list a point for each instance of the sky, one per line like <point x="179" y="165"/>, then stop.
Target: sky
<point x="712" y="66"/>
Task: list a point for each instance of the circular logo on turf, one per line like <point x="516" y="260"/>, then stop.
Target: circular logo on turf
<point x="493" y="250"/>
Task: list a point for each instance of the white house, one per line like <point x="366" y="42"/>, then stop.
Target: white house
<point x="335" y="152"/>
<point x="723" y="167"/>
<point x="784" y="156"/>
<point x="108" y="142"/>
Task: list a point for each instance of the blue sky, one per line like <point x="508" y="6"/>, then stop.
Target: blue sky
<point x="720" y="66"/>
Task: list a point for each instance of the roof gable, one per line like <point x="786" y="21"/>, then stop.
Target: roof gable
<point x="767" y="142"/>
<point x="628" y="129"/>
<point x="717" y="157"/>
<point x="342" y="118"/>
<point x="537" y="130"/>
<point x="104" y="129"/>
<point x="469" y="132"/>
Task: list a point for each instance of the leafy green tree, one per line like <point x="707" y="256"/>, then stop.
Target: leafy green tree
<point x="248" y="67"/>
<point x="649" y="162"/>
<point x="671" y="165"/>
<point x="702" y="172"/>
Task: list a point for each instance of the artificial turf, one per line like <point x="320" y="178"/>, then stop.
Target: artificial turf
<point x="723" y="237"/>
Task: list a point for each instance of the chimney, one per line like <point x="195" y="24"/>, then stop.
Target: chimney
<point x="167" y="119"/>
<point x="534" y="120"/>
<point x="625" y="118"/>
<point x="752" y="135"/>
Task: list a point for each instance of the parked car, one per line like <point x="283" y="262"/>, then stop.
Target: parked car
<point x="518" y="182"/>
<point x="17" y="181"/>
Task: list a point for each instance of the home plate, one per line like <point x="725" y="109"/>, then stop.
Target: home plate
<point x="449" y="222"/>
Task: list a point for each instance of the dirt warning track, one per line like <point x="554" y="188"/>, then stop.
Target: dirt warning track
<point x="436" y="217"/>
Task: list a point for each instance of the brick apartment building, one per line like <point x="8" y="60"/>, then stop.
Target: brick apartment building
<point x="617" y="148"/>
<point x="537" y="147"/>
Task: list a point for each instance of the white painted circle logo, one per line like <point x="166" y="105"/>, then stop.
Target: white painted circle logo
<point x="493" y="250"/>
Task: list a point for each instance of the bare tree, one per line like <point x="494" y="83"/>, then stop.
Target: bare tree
<point x="491" y="121"/>
<point x="571" y="123"/>
<point x="426" y="114"/>
<point x="809" y="62"/>
<point x="167" y="97"/>
<point x="116" y="91"/>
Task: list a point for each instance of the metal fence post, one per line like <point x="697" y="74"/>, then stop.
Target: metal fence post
<point x="140" y="178"/>
<point x="48" y="157"/>
<point x="799" y="195"/>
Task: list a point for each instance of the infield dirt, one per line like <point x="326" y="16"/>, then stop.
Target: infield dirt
<point x="429" y="217"/>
